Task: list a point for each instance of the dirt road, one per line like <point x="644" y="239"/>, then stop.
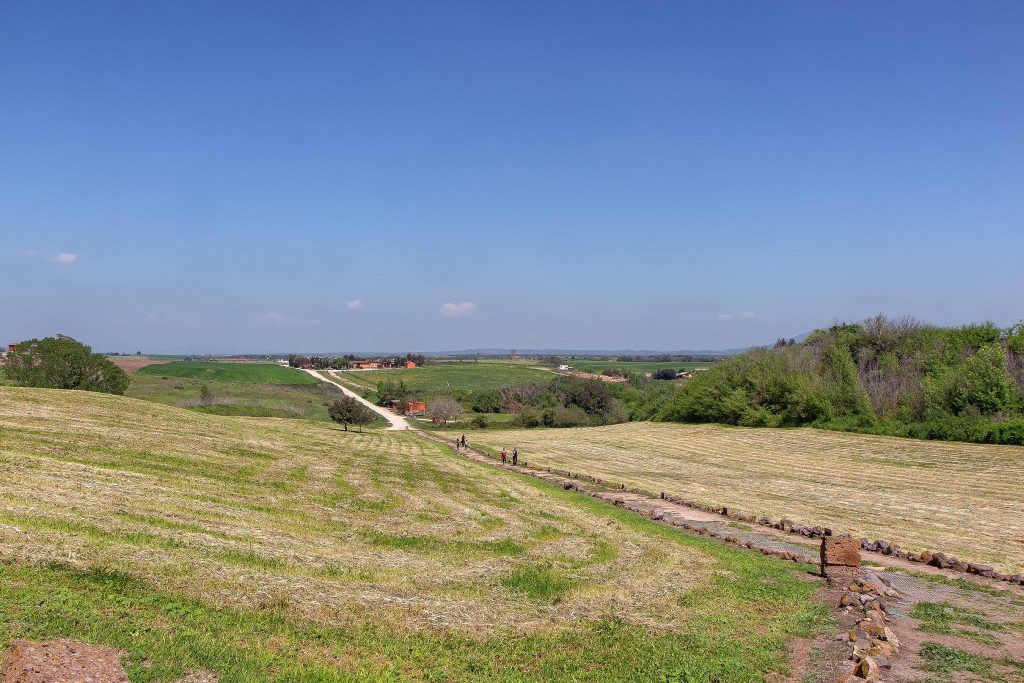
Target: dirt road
<point x="396" y="422"/>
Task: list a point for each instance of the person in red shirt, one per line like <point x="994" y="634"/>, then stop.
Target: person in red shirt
<point x="504" y="455"/>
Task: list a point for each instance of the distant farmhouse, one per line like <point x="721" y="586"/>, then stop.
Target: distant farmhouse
<point x="411" y="407"/>
<point x="350" y="362"/>
<point x="375" y="364"/>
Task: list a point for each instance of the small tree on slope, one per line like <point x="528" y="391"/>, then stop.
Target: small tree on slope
<point x="348" y="411"/>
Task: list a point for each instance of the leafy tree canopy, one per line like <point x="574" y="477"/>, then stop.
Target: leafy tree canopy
<point x="63" y="363"/>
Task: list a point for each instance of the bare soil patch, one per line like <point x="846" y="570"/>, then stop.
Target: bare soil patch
<point x="60" y="661"/>
<point x="133" y="363"/>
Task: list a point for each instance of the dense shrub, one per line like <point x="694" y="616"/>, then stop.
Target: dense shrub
<point x="564" y="402"/>
<point x="885" y="376"/>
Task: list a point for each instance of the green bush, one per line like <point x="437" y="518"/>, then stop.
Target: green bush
<point x="63" y="363"/>
<point x="883" y="376"/>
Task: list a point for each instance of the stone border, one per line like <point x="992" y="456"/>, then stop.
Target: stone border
<point x="873" y="643"/>
<point x="932" y="558"/>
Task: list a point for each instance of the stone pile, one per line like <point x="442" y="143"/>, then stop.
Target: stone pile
<point x="873" y="643"/>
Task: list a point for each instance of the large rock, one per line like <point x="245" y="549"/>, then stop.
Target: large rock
<point x="60" y="661"/>
<point x="839" y="551"/>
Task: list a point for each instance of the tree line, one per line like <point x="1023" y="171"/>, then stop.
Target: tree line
<point x="886" y="376"/>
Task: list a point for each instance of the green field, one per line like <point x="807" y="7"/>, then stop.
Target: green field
<point x="598" y="366"/>
<point x="255" y="373"/>
<point x="442" y="377"/>
<point x="289" y="550"/>
<point x="305" y="401"/>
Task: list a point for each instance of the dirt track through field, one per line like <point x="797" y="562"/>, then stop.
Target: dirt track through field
<point x="395" y="422"/>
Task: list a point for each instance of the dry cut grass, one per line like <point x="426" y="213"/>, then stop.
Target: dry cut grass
<point x="289" y="550"/>
<point x="249" y="512"/>
<point x="963" y="498"/>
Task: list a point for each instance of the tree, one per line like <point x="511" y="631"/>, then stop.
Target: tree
<point x="63" y="363"/>
<point x="205" y="395"/>
<point x="444" y="408"/>
<point x="390" y="391"/>
<point x="664" y="373"/>
<point x="346" y="411"/>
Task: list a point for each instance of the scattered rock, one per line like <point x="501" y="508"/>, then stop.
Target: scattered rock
<point x="60" y="661"/>
<point x="868" y="669"/>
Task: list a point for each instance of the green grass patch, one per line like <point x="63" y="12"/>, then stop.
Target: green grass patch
<point x="442" y="377"/>
<point x="947" y="619"/>
<point x="253" y="373"/>
<point x="305" y="401"/>
<point x="944" y="660"/>
<point x="538" y="581"/>
<point x="166" y="636"/>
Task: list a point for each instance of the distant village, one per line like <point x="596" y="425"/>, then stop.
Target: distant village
<point x="351" y="362"/>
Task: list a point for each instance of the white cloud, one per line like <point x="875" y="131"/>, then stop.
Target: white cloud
<point x="354" y="305"/>
<point x="748" y="315"/>
<point x="64" y="258"/>
<point x="725" y="316"/>
<point x="451" y="310"/>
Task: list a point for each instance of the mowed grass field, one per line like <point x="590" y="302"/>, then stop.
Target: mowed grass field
<point x="439" y="377"/>
<point x="599" y="366"/>
<point x="273" y="550"/>
<point x="254" y="373"/>
<point x="924" y="495"/>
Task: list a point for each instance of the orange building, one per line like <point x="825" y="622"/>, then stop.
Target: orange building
<point x="410" y="364"/>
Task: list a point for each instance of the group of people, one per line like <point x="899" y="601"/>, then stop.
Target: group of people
<point x="460" y="445"/>
<point x="515" y="456"/>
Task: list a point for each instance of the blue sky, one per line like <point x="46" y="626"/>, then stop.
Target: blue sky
<point x="232" y="177"/>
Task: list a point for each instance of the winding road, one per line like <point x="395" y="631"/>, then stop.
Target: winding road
<point x="396" y="422"/>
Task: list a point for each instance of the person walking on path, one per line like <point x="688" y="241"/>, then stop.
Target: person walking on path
<point x="515" y="456"/>
<point x="457" y="446"/>
<point x="504" y="455"/>
<point x="463" y="440"/>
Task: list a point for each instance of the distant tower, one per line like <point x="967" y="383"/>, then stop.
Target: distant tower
<point x="514" y="354"/>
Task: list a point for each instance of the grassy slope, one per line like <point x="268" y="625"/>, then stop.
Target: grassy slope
<point x="256" y="373"/>
<point x="277" y="400"/>
<point x="954" y="497"/>
<point x="289" y="550"/>
<point x="439" y="377"/>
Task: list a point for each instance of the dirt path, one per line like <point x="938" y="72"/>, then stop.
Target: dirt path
<point x="395" y="422"/>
